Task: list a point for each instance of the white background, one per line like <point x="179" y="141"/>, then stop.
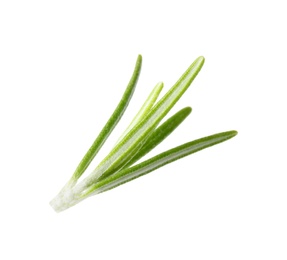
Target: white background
<point x="64" y="66"/>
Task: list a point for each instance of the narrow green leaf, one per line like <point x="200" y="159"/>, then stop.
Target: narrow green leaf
<point x="146" y="107"/>
<point x="111" y="123"/>
<point x="159" y="134"/>
<point x="156" y="162"/>
<point x="123" y="151"/>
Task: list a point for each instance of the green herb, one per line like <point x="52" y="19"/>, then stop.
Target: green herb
<point x="143" y="134"/>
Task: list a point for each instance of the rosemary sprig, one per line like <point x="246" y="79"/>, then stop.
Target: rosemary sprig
<point x="142" y="135"/>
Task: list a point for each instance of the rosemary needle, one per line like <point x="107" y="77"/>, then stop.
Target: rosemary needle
<point x="158" y="161"/>
<point x="111" y="123"/>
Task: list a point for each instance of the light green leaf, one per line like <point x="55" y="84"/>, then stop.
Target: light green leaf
<point x="146" y="107"/>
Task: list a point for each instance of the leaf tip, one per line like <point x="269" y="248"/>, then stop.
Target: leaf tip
<point x="201" y="58"/>
<point x="231" y="133"/>
<point x="160" y="85"/>
<point x="186" y="110"/>
<point x="139" y="59"/>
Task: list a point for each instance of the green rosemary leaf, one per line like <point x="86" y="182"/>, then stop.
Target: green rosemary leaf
<point x="156" y="162"/>
<point x="146" y="107"/>
<point x="111" y="123"/>
<point x="159" y="134"/>
<point x="123" y="151"/>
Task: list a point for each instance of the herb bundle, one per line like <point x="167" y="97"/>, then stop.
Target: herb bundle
<point x="143" y="134"/>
